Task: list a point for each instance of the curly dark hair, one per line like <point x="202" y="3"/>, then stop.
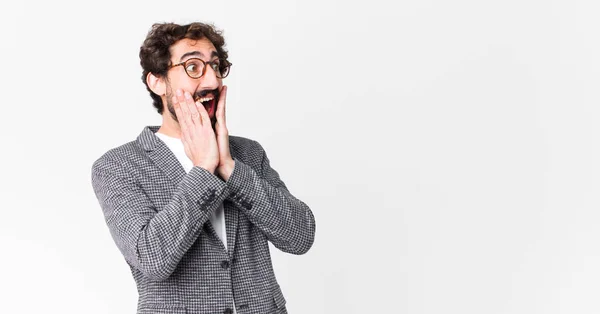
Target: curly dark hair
<point x="155" y="56"/>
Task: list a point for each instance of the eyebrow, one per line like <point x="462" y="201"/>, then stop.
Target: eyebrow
<point x="197" y="53"/>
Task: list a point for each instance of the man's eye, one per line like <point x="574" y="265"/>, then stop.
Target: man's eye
<point x="215" y="65"/>
<point x="192" y="67"/>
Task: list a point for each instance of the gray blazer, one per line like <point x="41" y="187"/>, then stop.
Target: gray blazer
<point x="158" y="216"/>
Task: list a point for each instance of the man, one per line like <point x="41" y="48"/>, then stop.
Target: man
<point x="191" y="208"/>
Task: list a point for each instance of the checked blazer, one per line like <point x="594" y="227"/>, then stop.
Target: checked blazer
<point x="158" y="216"/>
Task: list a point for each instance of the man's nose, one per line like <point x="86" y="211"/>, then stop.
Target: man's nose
<point x="210" y="79"/>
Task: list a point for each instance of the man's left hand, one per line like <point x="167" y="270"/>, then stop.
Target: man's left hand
<point x="226" y="163"/>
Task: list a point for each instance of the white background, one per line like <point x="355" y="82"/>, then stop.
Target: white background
<point x="448" y="149"/>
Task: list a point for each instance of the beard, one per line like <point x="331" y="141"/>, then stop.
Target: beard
<point x="215" y="93"/>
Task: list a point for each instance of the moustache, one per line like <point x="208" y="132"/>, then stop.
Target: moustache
<point x="203" y="93"/>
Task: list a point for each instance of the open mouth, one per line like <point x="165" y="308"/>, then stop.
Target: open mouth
<point x="209" y="102"/>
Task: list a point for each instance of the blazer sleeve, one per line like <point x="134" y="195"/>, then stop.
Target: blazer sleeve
<point x="285" y="220"/>
<point x="153" y="240"/>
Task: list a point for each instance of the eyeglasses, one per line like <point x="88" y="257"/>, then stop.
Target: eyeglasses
<point x="195" y="67"/>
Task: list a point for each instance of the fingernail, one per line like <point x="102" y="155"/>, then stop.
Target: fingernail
<point x="179" y="93"/>
<point x="188" y="95"/>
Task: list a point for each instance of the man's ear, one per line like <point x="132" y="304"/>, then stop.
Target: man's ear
<point x="156" y="84"/>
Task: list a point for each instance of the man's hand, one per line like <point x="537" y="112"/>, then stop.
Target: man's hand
<point x="197" y="134"/>
<point x="226" y="162"/>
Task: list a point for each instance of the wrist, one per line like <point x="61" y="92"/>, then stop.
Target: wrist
<point x="208" y="168"/>
<point x="226" y="169"/>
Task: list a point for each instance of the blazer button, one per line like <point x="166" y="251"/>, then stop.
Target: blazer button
<point x="228" y="311"/>
<point x="247" y="205"/>
<point x="225" y="264"/>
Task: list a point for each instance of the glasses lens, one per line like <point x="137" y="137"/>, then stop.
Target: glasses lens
<point x="194" y="67"/>
<point x="224" y="69"/>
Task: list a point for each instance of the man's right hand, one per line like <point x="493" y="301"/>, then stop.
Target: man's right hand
<point x="197" y="134"/>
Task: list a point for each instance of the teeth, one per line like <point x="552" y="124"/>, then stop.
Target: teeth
<point x="203" y="99"/>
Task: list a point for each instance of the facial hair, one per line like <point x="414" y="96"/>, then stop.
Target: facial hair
<point x="171" y="109"/>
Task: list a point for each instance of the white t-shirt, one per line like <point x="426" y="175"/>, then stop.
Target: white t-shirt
<point x="218" y="217"/>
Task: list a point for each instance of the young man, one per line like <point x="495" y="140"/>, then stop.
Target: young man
<point x="190" y="207"/>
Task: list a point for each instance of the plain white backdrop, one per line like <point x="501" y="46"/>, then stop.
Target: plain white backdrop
<point x="448" y="149"/>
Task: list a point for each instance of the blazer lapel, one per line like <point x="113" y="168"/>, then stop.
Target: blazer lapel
<point x="161" y="155"/>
